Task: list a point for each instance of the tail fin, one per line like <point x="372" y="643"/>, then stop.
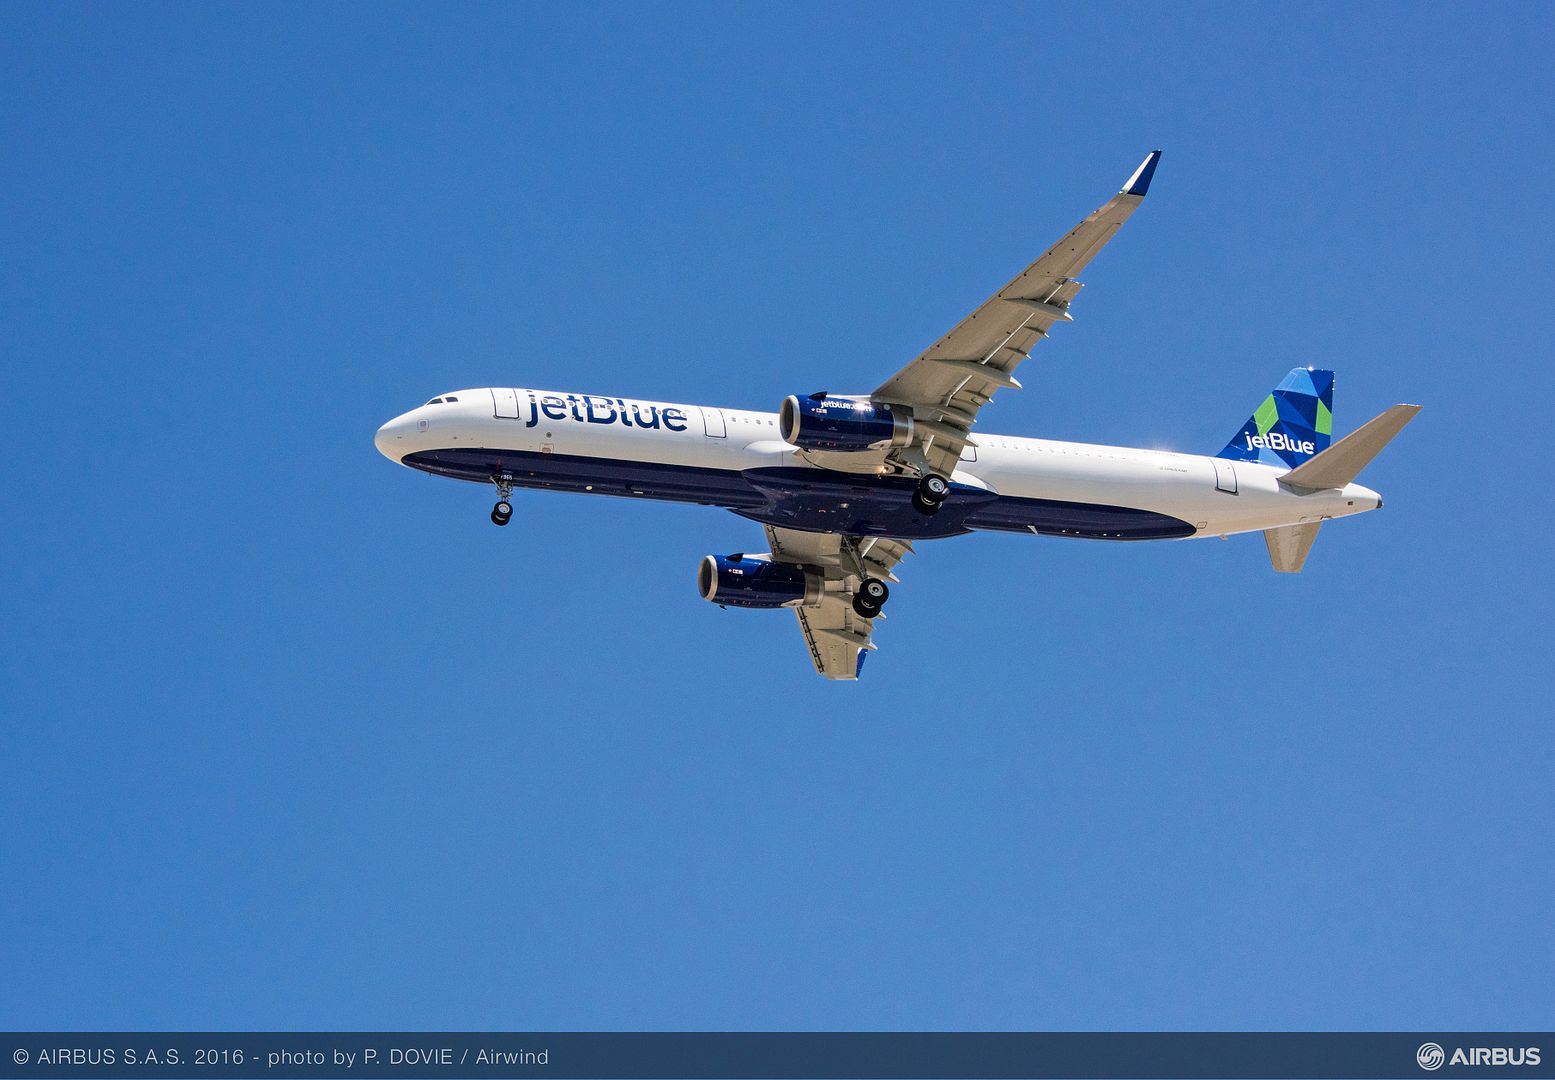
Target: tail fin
<point x="1293" y="425"/>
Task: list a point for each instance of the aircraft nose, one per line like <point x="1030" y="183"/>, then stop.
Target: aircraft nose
<point x="390" y="439"/>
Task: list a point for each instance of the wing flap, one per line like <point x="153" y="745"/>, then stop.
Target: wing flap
<point x="836" y="635"/>
<point x="956" y="376"/>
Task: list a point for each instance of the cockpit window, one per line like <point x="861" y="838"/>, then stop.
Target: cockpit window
<point x="450" y="400"/>
<point x="435" y="401"/>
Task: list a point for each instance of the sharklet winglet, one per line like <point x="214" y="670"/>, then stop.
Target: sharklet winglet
<point x="1139" y="183"/>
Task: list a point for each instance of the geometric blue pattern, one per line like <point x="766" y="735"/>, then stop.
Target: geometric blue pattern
<point x="1293" y="424"/>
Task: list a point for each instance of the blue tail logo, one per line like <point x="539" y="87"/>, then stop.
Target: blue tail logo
<point x="1293" y="424"/>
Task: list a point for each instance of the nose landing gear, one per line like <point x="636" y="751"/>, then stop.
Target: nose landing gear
<point x="502" y="513"/>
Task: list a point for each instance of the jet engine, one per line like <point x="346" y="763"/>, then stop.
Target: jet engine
<point x="755" y="581"/>
<point x="847" y="424"/>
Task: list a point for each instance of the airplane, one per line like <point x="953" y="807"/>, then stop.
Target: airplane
<point x="846" y="484"/>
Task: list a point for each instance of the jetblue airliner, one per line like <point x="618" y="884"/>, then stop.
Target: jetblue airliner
<point x="845" y="484"/>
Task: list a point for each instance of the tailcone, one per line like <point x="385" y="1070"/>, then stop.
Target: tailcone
<point x="1361" y="498"/>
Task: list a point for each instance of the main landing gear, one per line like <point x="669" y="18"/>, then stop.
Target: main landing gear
<point x="502" y="513"/>
<point x="933" y="489"/>
<point x="870" y="598"/>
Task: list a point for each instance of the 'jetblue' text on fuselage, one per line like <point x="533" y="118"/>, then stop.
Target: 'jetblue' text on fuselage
<point x="590" y="409"/>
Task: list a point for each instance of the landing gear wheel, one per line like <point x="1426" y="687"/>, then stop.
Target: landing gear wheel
<point x="874" y="592"/>
<point x="502" y="513"/>
<point x="863" y="608"/>
<point x="934" y="488"/>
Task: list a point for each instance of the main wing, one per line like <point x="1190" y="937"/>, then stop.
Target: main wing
<point x="959" y="374"/>
<point x="837" y="635"/>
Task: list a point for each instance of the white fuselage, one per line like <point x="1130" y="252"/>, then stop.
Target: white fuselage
<point x="625" y="447"/>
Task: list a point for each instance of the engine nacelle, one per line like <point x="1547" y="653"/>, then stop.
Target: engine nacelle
<point x="846" y="424"/>
<point x="757" y="582"/>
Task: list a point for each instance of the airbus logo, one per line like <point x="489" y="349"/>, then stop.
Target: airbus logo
<point x="1278" y="440"/>
<point x="1431" y="1056"/>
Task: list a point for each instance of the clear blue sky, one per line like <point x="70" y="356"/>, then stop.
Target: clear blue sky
<point x="295" y="738"/>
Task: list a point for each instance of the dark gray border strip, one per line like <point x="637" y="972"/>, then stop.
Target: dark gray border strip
<point x="779" y="1055"/>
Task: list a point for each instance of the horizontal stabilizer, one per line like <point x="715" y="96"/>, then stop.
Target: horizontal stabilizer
<point x="1343" y="461"/>
<point x="1288" y="546"/>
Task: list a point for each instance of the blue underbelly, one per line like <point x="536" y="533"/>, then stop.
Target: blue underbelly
<point x="809" y="499"/>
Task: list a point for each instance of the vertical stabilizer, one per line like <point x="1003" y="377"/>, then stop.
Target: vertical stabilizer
<point x="1293" y="425"/>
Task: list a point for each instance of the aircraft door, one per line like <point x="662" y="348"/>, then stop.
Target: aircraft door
<point x="1225" y="476"/>
<point x="504" y="403"/>
<point x="713" y="423"/>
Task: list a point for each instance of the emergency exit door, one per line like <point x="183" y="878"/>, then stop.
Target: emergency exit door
<point x="1225" y="476"/>
<point x="504" y="403"/>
